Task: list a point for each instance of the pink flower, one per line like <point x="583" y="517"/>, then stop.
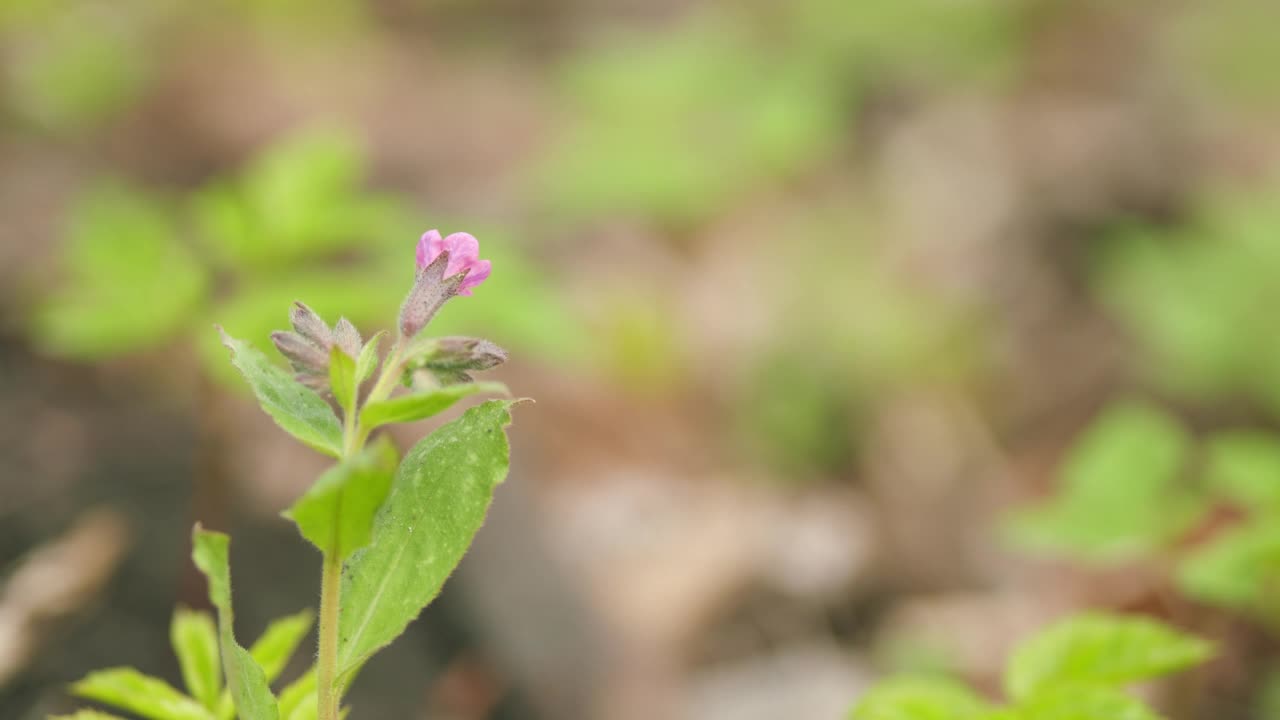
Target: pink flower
<point x="464" y="255"/>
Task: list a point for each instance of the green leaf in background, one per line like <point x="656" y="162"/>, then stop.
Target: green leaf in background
<point x="423" y="404"/>
<point x="1238" y="569"/>
<point x="1245" y="468"/>
<point x="194" y="637"/>
<point x="342" y="379"/>
<point x="302" y="197"/>
<point x="279" y="641"/>
<point x="77" y="72"/>
<point x="921" y="699"/>
<point x="950" y="42"/>
<point x="1119" y="495"/>
<point x="437" y="503"/>
<point x="139" y="694"/>
<point x="1100" y="649"/>
<point x="336" y="514"/>
<point x="245" y="678"/>
<point x="643" y="100"/>
<point x="299" y="411"/>
<point x="299" y="693"/>
<point x="1191" y="295"/>
<point x="130" y="284"/>
<point x="1083" y="703"/>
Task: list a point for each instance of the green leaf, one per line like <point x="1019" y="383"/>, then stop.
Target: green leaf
<point x="1119" y="496"/>
<point x="272" y="651"/>
<point x="342" y="378"/>
<point x="298" y="693"/>
<point x="1238" y="569"/>
<point x="423" y="404"/>
<point x="920" y="699"/>
<point x="368" y="360"/>
<point x="139" y="694"/>
<point x="245" y="678"/>
<point x="1245" y="467"/>
<point x="278" y="642"/>
<point x="337" y="513"/>
<point x="437" y="503"/>
<point x="1100" y="649"/>
<point x="299" y="411"/>
<point x="131" y="284"/>
<point x="1083" y="703"/>
<point x="194" y="637"/>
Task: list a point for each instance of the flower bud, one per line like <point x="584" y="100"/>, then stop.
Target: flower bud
<point x="451" y="360"/>
<point x="347" y="338"/>
<point x="466" y="353"/>
<point x="305" y="356"/>
<point x="309" y="325"/>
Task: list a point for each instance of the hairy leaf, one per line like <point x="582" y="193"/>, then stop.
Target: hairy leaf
<point x="297" y="410"/>
<point x="342" y="378"/>
<point x="423" y="404"/>
<point x="337" y="513"/>
<point x="139" y="694"/>
<point x="195" y="641"/>
<point x="1100" y="649"/>
<point x="437" y="503"/>
<point x="272" y="651"/>
<point x="368" y="360"/>
<point x="245" y="678"/>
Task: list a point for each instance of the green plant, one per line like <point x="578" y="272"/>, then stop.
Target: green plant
<point x="1137" y="484"/>
<point x="1195" y="296"/>
<point x="1076" y="669"/>
<point x="390" y="530"/>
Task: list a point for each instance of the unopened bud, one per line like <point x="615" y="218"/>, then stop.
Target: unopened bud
<point x="319" y="383"/>
<point x="466" y="353"/>
<point x="310" y="326"/>
<point x="347" y="338"/>
<point x="305" y="356"/>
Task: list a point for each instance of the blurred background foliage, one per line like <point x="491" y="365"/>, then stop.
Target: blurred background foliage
<point x="865" y="335"/>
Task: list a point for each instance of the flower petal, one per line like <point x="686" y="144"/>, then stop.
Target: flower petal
<point x="429" y="246"/>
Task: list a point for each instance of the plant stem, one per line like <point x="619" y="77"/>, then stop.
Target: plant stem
<point x="327" y="662"/>
<point x="353" y="439"/>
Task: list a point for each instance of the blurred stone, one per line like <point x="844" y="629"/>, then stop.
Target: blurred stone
<point x="55" y="581"/>
<point x="804" y="682"/>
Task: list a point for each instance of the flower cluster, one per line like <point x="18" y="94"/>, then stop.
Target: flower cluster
<point x="447" y="266"/>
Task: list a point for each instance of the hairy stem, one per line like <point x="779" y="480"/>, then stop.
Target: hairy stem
<point x="353" y="439"/>
<point x="327" y="662"/>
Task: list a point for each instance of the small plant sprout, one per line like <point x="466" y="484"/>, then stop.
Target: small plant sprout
<point x="390" y="529"/>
